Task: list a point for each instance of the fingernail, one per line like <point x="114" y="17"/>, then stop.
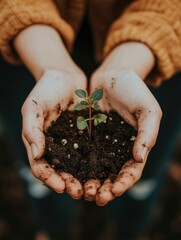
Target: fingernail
<point x="144" y="154"/>
<point x="34" y="150"/>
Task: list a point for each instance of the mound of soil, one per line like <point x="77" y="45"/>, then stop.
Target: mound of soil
<point x="70" y="150"/>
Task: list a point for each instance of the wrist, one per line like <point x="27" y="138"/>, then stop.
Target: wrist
<point x="41" y="49"/>
<point x="133" y="56"/>
<point x="54" y="71"/>
<point x="61" y="74"/>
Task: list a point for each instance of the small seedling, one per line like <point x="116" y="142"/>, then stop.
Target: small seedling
<point x="90" y="102"/>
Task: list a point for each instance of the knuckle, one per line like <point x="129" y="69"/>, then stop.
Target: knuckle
<point x="145" y="139"/>
<point x="138" y="176"/>
<point x="153" y="142"/>
<point x="160" y="112"/>
<point x="23" y="107"/>
<point x="133" y="175"/>
<point x="150" y="141"/>
<point x="35" y="172"/>
<point x="26" y="134"/>
<point x="116" y="190"/>
<point x="41" y="171"/>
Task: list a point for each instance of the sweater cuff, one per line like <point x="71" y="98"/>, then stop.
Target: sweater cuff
<point x="13" y="21"/>
<point x="152" y="30"/>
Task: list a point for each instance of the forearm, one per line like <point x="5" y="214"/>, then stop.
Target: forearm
<point x="40" y="48"/>
<point x="131" y="55"/>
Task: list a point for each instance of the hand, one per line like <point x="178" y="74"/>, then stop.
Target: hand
<point x="50" y="96"/>
<point x="41" y="48"/>
<point x="126" y="93"/>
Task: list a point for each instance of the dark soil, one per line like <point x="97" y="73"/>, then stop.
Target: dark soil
<point x="70" y="150"/>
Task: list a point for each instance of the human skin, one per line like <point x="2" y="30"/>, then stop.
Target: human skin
<point x="42" y="51"/>
<point x="121" y="76"/>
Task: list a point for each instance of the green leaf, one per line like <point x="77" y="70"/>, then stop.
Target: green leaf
<point x="98" y="118"/>
<point x="95" y="122"/>
<point x="97" y="95"/>
<point x="83" y="103"/>
<point x="80" y="93"/>
<point x="81" y="123"/>
<point x="79" y="107"/>
<point x="96" y="106"/>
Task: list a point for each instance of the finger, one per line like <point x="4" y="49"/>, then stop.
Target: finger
<point x="52" y="115"/>
<point x="90" y="189"/>
<point x="129" y="174"/>
<point x="33" y="127"/>
<point x="104" y="194"/>
<point x="72" y="185"/>
<point x="42" y="170"/>
<point x="148" y="126"/>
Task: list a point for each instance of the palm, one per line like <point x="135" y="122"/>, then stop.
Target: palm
<point x="50" y="96"/>
<point x="127" y="94"/>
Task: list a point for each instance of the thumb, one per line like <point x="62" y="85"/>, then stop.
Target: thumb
<point x="33" y="120"/>
<point x="148" y="127"/>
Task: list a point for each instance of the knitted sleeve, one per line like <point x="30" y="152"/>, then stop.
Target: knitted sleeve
<point x="16" y="15"/>
<point x="157" y="24"/>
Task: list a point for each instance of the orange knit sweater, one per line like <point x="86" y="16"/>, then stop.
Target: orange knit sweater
<point x="157" y="23"/>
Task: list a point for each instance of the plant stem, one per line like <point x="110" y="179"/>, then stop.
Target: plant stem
<point x="89" y="132"/>
<point x="90" y="122"/>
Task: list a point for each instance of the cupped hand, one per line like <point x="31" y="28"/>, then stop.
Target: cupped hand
<point x="126" y="93"/>
<point x="52" y="94"/>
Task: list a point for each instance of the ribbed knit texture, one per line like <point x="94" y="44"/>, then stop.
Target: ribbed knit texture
<point x="157" y="23"/>
<point x="16" y="15"/>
